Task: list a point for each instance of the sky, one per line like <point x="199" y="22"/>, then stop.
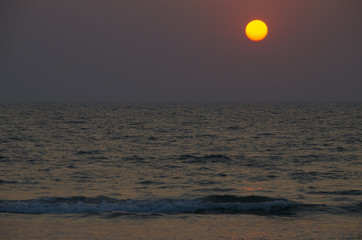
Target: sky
<point x="180" y="50"/>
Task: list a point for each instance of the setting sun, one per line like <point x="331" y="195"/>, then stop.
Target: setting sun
<point x="256" y="30"/>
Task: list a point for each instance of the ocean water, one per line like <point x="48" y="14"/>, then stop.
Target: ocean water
<point x="181" y="171"/>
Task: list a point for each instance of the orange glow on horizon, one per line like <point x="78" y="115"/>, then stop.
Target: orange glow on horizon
<point x="256" y="30"/>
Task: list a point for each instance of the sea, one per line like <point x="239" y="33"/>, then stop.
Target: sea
<point x="181" y="170"/>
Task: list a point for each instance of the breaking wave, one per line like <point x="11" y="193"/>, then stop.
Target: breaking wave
<point x="214" y="204"/>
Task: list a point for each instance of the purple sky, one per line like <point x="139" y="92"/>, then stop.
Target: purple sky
<point x="180" y="50"/>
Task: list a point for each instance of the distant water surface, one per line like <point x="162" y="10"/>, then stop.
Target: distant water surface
<point x="181" y="171"/>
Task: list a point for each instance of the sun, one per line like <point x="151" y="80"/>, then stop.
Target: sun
<point x="256" y="30"/>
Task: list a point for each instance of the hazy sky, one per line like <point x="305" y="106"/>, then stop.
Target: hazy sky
<point x="179" y="50"/>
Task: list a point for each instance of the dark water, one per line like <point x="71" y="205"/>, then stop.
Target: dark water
<point x="181" y="171"/>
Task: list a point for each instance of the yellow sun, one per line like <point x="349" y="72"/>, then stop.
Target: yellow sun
<point x="256" y="30"/>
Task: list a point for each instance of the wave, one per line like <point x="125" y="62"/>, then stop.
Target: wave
<point x="213" y="204"/>
<point x="346" y="192"/>
<point x="213" y="158"/>
<point x="7" y="182"/>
